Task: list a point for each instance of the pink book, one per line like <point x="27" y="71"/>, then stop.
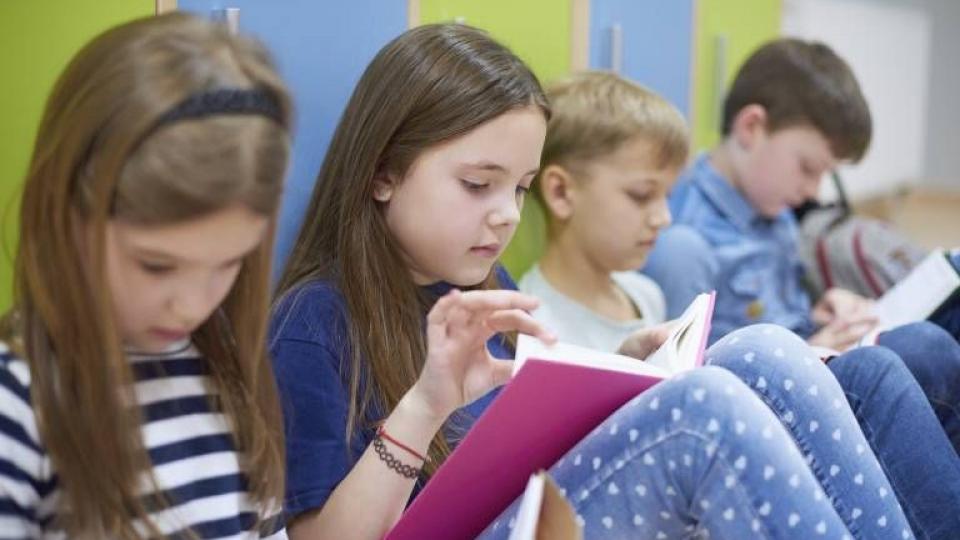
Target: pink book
<point x="557" y="396"/>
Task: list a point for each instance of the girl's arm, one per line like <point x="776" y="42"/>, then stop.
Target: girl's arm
<point x="458" y="370"/>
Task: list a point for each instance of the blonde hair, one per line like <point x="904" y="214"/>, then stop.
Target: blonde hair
<point x="596" y="112"/>
<point x="99" y="156"/>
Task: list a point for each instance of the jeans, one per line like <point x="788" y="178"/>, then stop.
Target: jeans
<point x="890" y="408"/>
<point x="933" y="357"/>
<point x="949" y="316"/>
<point x="701" y="456"/>
<point x="903" y="431"/>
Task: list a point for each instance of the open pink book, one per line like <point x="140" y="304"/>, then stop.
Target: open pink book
<point x="557" y="396"/>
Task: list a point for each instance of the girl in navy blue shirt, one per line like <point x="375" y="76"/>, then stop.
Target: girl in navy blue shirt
<point x="392" y="320"/>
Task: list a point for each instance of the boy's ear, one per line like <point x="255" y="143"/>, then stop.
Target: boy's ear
<point x="383" y="184"/>
<point x="750" y="125"/>
<point x="557" y="188"/>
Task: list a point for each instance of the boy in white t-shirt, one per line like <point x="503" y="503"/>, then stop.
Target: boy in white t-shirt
<point x="612" y="153"/>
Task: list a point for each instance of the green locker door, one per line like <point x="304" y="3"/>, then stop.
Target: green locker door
<point x="727" y="32"/>
<point x="38" y="38"/>
<point x="539" y="32"/>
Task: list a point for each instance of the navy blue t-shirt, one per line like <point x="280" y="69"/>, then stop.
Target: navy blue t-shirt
<point x="311" y="362"/>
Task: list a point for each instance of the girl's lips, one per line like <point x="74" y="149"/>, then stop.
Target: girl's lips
<point x="169" y="335"/>
<point x="489" y="250"/>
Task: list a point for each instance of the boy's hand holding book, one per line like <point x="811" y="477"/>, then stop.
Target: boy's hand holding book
<point x="645" y="341"/>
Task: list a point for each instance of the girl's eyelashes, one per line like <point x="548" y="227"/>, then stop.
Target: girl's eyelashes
<point x="475" y="186"/>
<point x="155" y="268"/>
<point x="471" y="185"/>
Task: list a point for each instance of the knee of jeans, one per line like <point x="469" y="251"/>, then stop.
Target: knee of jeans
<point x="935" y="360"/>
<point x="862" y="370"/>
<point x="766" y="349"/>
<point x="763" y="336"/>
<point x="933" y="343"/>
<point x="703" y="390"/>
<point x="709" y="377"/>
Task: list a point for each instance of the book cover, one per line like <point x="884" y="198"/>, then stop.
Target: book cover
<point x="545" y="410"/>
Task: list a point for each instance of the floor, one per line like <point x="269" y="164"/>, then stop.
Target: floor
<point x="930" y="218"/>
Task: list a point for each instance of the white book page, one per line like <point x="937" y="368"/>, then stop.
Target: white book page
<point x="919" y="294"/>
<point x="531" y="347"/>
<point x="528" y="516"/>
<point x="679" y="352"/>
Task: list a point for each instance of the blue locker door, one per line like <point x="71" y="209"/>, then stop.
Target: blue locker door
<point x="321" y="49"/>
<point x="654" y="45"/>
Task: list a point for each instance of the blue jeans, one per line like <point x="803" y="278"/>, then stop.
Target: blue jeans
<point x="906" y="436"/>
<point x="810" y="403"/>
<point x="888" y="404"/>
<point x="949" y="317"/>
<point x="701" y="455"/>
<point x="933" y="357"/>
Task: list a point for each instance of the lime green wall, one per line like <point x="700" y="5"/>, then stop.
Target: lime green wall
<point x="37" y="38"/>
<point x="538" y="31"/>
<point x="746" y="24"/>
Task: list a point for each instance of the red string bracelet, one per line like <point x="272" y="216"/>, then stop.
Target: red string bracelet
<point x="381" y="432"/>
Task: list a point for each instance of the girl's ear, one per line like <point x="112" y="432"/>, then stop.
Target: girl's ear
<point x="383" y="184"/>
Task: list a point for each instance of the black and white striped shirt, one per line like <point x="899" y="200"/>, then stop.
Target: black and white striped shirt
<point x="187" y="437"/>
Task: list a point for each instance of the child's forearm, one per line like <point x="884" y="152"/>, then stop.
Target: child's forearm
<point x="370" y="500"/>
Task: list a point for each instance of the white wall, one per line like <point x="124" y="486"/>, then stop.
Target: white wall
<point x="943" y="115"/>
<point x="888" y="47"/>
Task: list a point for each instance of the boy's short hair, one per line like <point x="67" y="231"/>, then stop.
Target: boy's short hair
<point x="803" y="83"/>
<point x="595" y="112"/>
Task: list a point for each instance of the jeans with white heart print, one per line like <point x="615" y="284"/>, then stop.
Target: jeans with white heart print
<point x="896" y="421"/>
<point x="701" y="456"/>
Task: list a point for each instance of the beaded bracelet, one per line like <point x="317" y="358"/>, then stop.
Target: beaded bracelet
<point x="382" y="432"/>
<point x="392" y="462"/>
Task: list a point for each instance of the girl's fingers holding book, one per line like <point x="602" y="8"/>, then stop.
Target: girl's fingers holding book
<point x="501" y="371"/>
<point x="493" y="300"/>
<point x="450" y="317"/>
<point x="511" y="320"/>
<point x="441" y="310"/>
<point x="483" y="378"/>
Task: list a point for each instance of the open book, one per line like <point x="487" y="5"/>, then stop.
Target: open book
<point x="929" y="286"/>
<point x="556" y="397"/>
<point x="681" y="350"/>
<point x="544" y="514"/>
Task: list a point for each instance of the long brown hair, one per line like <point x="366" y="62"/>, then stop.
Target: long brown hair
<point x="97" y="158"/>
<point x="429" y="85"/>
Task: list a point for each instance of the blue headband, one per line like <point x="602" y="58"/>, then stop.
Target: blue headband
<point x="224" y="101"/>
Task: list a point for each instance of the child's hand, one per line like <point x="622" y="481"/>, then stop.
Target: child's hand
<point x="840" y="303"/>
<point x="459" y="369"/>
<point x="843" y="332"/>
<point x="645" y="341"/>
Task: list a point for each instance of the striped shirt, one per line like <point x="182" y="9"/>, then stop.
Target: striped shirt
<point x="185" y="433"/>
